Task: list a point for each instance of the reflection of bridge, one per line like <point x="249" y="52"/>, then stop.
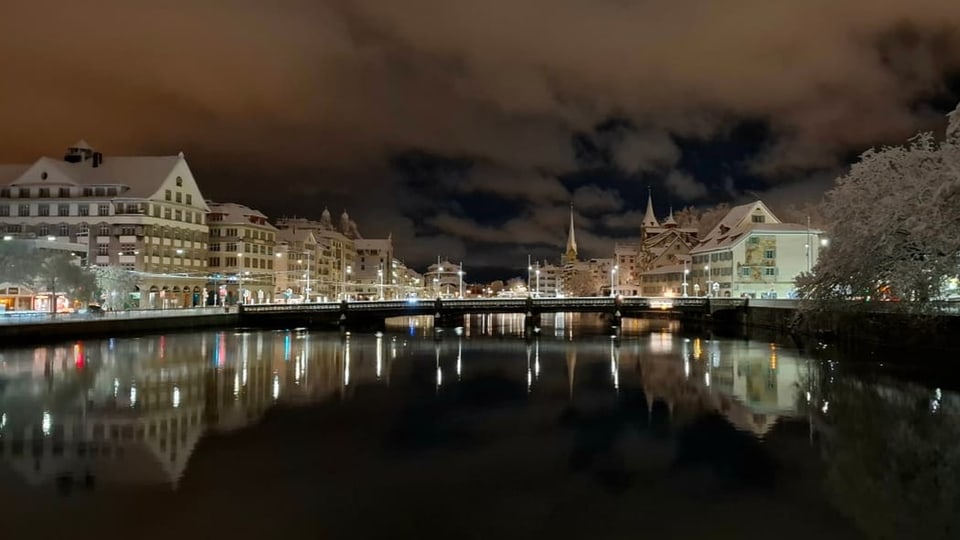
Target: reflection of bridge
<point x="451" y="312"/>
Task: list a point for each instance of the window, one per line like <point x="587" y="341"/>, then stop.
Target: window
<point x="64" y="192"/>
<point x="83" y="229"/>
<point x="167" y="195"/>
<point x="770" y="271"/>
<point x="103" y="209"/>
<point x="178" y="215"/>
<point x="104" y="229"/>
<point x="214" y="261"/>
<point x="745" y="271"/>
<point x="88" y="192"/>
<point x="111" y="192"/>
<point x="179" y="197"/>
<point x="231" y="232"/>
<point x="189" y="198"/>
<point x="63" y="209"/>
<point x="179" y="182"/>
<point x="231" y="261"/>
<point x="754" y="240"/>
<point x="214" y="247"/>
<point x="23" y="192"/>
<point x="128" y="230"/>
<point x="99" y="192"/>
<point x="5" y="192"/>
<point x="770" y="254"/>
<point x="167" y="213"/>
<point x="757" y="218"/>
<point x="103" y="250"/>
<point x="231" y="246"/>
<point x="63" y="230"/>
<point x="43" y="230"/>
<point x="4" y="210"/>
<point x="44" y="192"/>
<point x="84" y="209"/>
<point x="43" y="209"/>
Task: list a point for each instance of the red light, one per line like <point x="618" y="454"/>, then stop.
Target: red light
<point x="78" y="359"/>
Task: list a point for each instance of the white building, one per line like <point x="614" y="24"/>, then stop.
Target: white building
<point x="336" y="252"/>
<point x="142" y="213"/>
<point x="242" y="244"/>
<point x="295" y="266"/>
<point x="444" y="280"/>
<point x="372" y="276"/>
<point x="751" y="253"/>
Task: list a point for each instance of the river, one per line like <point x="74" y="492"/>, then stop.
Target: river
<point x="478" y="432"/>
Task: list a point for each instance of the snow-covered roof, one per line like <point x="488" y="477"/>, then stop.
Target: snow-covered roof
<point x="649" y="218"/>
<point x="142" y="175"/>
<point x="295" y="235"/>
<point x="234" y="213"/>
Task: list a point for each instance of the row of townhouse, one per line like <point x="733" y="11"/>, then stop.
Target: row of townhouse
<point x="147" y="215"/>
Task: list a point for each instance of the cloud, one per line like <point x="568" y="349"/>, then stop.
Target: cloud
<point x="685" y="186"/>
<point x="305" y="103"/>
<point x="648" y="150"/>
<point x="591" y="199"/>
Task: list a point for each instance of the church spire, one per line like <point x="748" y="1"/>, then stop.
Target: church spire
<point x="649" y="218"/>
<point x="571" y="254"/>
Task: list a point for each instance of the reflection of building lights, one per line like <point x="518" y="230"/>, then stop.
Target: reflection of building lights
<point x="379" y="354"/>
<point x="706" y="378"/>
<point x="116" y="387"/>
<point x="276" y="386"/>
<point x="459" y="358"/>
<point x="243" y="380"/>
<point x="697" y="349"/>
<point x="439" y="377"/>
<point x="808" y="397"/>
<point x="826" y="405"/>
<point x="47" y="423"/>
<point x="236" y="384"/>
<point x="176" y="397"/>
<point x="133" y="395"/>
<point x="3" y="420"/>
<point x="686" y="366"/>
<point x="346" y="362"/>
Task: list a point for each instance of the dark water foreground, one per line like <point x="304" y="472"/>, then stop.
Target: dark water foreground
<point x="481" y="435"/>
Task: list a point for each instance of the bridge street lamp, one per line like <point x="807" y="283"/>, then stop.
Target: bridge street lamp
<point x="706" y="272"/>
<point x="380" y="279"/>
<point x="613" y="275"/>
<point x="686" y="271"/>
<point x="460" y="274"/>
<point x="346" y="286"/>
<point x="538" y="279"/>
<point x="239" y="278"/>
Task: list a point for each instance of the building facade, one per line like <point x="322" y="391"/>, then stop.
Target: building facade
<point x="444" y="279"/>
<point x="751" y="253"/>
<point x="241" y="261"/>
<point x="145" y="214"/>
<point x="335" y="255"/>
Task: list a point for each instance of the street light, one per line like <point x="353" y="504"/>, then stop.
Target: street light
<point x="380" y="278"/>
<point x="239" y="278"/>
<point x="529" y="273"/>
<point x="460" y="273"/>
<point x="538" y="279"/>
<point x="349" y="271"/>
<point x="686" y="271"/>
<point x="706" y="271"/>
<point x="613" y="275"/>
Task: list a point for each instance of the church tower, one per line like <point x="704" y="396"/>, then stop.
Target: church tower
<point x="570" y="255"/>
<point x="650" y="226"/>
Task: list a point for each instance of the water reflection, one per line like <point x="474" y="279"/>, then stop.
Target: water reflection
<point x="104" y="414"/>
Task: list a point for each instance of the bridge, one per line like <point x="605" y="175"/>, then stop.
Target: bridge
<point x="451" y="312"/>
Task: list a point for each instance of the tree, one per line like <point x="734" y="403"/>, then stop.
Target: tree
<point x="580" y="282"/>
<point x="516" y="284"/>
<point x="115" y="284"/>
<point x="895" y="222"/>
<point x="18" y="262"/>
<point x="496" y="287"/>
<point x="61" y="273"/>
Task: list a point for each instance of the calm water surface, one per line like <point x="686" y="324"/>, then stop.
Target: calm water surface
<point x="481" y="433"/>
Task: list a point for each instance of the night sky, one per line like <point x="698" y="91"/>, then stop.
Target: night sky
<point x="465" y="128"/>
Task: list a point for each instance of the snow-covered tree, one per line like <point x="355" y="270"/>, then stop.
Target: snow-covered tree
<point x="115" y="284"/>
<point x="581" y="282"/>
<point x="895" y="224"/>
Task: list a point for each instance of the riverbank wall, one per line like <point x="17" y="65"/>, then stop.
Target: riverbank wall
<point x="24" y="333"/>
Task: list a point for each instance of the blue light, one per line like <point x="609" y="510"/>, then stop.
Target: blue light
<point x="286" y="347"/>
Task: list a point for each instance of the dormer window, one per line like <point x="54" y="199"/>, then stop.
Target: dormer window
<point x="112" y="191"/>
<point x="179" y="182"/>
<point x="24" y="192"/>
<point x="758" y="218"/>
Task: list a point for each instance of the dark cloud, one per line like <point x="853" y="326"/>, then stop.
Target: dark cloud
<point x="296" y="105"/>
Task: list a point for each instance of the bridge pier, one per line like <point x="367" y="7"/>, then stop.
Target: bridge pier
<point x="531" y="320"/>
